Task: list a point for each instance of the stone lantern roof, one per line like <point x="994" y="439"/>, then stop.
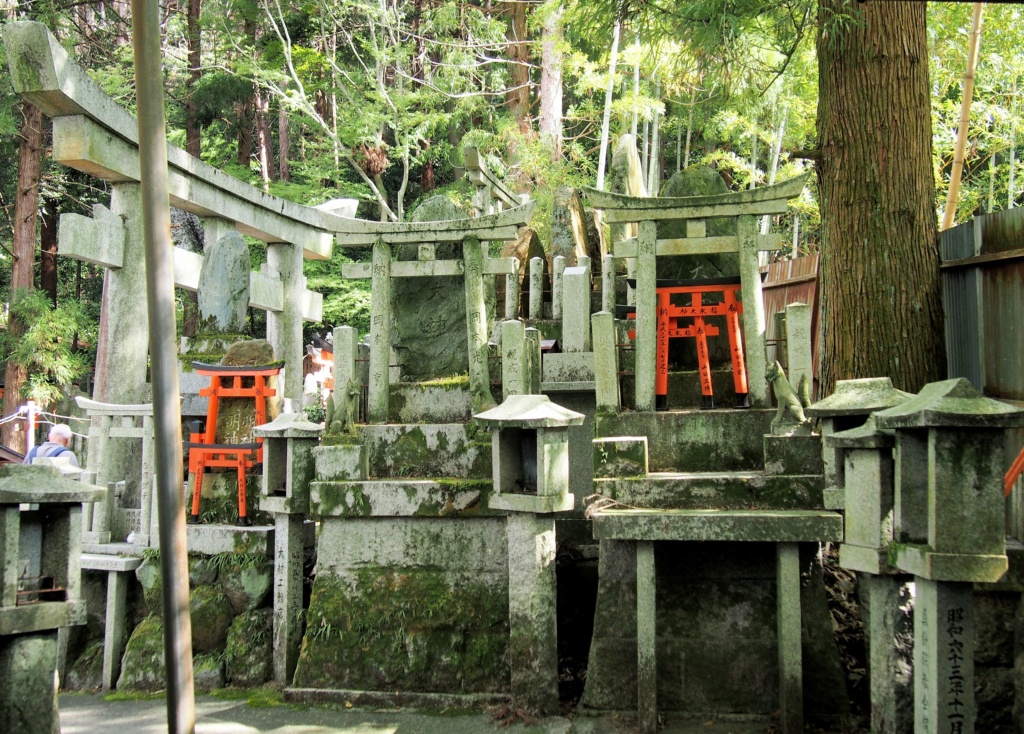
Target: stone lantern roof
<point x="858" y="397"/>
<point x="529" y="411"/>
<point x="43" y="485"/>
<point x="951" y="403"/>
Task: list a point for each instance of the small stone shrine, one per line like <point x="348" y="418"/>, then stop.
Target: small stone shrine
<point x="40" y="588"/>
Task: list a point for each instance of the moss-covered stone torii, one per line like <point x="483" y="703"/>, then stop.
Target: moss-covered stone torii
<point x="644" y="250"/>
<point x="472" y="234"/>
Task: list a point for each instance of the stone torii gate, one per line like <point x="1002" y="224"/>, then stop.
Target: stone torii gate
<point x="473" y="234"/>
<point x="91" y="133"/>
<point x="746" y="206"/>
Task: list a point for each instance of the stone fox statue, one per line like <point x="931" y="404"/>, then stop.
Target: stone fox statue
<point x="791" y="405"/>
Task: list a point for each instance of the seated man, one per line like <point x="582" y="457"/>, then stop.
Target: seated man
<point x="56" y="445"/>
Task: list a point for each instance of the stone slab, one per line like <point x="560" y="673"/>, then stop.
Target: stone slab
<point x="337" y="463"/>
<point x="793" y="454"/>
<point x="715" y="490"/>
<point x="398" y="498"/>
<point x="105" y="562"/>
<point x="695" y="440"/>
<point x="417" y="402"/>
<point x="792" y="526"/>
<point x="531" y="503"/>
<point x="866" y="560"/>
<point x="922" y="561"/>
<point x="568" y="367"/>
<point x="215" y="539"/>
<point x="833" y="499"/>
<point x="620" y="456"/>
<point x="50" y="615"/>
<point x="554" y="387"/>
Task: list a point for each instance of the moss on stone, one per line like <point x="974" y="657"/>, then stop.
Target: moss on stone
<point x="211" y="616"/>
<point x="417" y="629"/>
<point x="248" y="654"/>
<point x="246" y="582"/>
<point x="87" y="672"/>
<point x="151" y="580"/>
<point x="142" y="667"/>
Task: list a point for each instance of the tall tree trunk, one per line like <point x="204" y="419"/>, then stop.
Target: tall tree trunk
<point x="261" y="103"/>
<point x="48" y="250"/>
<point x="193" y="145"/>
<point x="881" y="308"/>
<point x="518" y="97"/>
<point x="246" y="109"/>
<point x="283" y="143"/>
<point x="551" y="83"/>
<point x="26" y="209"/>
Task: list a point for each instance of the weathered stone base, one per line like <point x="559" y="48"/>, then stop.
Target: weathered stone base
<point x="408" y="604"/>
<point x="396" y="699"/>
<point x="716" y="633"/>
<point x="28" y="696"/>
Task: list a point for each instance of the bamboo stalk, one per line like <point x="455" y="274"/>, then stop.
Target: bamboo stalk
<point x="953" y="195"/>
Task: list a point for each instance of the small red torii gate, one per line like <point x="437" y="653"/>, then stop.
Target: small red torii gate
<point x="668" y="328"/>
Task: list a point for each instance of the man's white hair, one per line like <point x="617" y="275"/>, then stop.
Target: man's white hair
<point x="60" y="430"/>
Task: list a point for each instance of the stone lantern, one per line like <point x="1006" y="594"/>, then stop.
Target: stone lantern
<point x="848" y="407"/>
<point x="530" y="445"/>
<point x="40" y="587"/>
<point x="949" y="531"/>
<point x="950" y="511"/>
<point x="288" y="469"/>
<point x="530" y="449"/>
<point x="288" y="443"/>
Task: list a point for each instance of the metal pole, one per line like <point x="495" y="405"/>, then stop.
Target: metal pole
<point x="156" y="217"/>
<point x="30" y="426"/>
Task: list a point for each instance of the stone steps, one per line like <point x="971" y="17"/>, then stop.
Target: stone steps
<point x="400" y="498"/>
<point x="695" y="440"/>
<point x="736" y="490"/>
<point x="407" y="451"/>
<point x="438" y="401"/>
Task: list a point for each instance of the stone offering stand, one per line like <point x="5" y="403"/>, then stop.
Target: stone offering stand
<point x="408" y="547"/>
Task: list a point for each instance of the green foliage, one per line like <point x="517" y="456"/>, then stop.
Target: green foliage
<point x="45" y="348"/>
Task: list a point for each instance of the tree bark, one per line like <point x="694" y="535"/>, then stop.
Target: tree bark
<point x="263" y="145"/>
<point x="48" y="250"/>
<point x="551" y="83"/>
<point x="283" y="143"/>
<point x="26" y="210"/>
<point x="881" y="309"/>
<point x="193" y="146"/>
<point x="518" y="97"/>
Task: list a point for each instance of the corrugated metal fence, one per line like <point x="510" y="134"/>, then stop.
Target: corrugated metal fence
<point x="983" y="297"/>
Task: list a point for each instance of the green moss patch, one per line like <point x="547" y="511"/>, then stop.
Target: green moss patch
<point x="417" y="630"/>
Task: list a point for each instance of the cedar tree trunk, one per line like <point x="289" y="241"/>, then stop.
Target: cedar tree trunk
<point x="26" y="209"/>
<point x="518" y="97"/>
<point x="881" y="307"/>
<point x="193" y="145"/>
